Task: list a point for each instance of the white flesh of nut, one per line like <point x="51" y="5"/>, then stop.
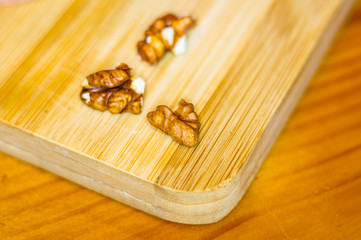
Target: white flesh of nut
<point x="147" y="39"/>
<point x="86" y="97"/>
<point x="138" y="85"/>
<point x="180" y="46"/>
<point x="168" y="35"/>
<point x="85" y="83"/>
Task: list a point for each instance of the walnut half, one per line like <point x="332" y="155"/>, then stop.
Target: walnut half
<point x="182" y="125"/>
<point x="114" y="90"/>
<point x="166" y="33"/>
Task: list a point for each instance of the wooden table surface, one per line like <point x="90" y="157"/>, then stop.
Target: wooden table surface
<point x="309" y="187"/>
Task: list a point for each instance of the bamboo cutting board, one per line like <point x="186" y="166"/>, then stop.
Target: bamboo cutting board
<point x="244" y="70"/>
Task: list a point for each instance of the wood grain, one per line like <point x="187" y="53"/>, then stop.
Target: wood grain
<point x="307" y="188"/>
<point x="241" y="87"/>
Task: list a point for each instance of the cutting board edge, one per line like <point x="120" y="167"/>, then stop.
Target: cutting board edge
<point x="210" y="206"/>
<point x="200" y="213"/>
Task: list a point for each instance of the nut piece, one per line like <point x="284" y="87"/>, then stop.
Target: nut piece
<point x="114" y="90"/>
<point x="182" y="125"/>
<point x="108" y="78"/>
<point x="166" y="33"/>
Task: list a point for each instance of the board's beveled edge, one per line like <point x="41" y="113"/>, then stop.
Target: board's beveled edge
<point x="207" y="212"/>
<point x="173" y="205"/>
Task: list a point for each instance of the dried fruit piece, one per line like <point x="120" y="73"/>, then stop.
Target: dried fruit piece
<point x="114" y="90"/>
<point x="166" y="33"/>
<point x="182" y="125"/>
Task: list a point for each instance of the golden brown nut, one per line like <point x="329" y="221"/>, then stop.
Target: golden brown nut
<point x="166" y="33"/>
<point x="108" y="78"/>
<point x="186" y="113"/>
<point x="125" y="96"/>
<point x="182" y="24"/>
<point x="182" y="125"/>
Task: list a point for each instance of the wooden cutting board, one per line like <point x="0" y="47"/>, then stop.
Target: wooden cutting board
<point x="245" y="68"/>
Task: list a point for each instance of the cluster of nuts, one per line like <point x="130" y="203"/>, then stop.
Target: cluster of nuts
<point x="117" y="91"/>
<point x="182" y="125"/>
<point x="166" y="33"/>
<point x="114" y="90"/>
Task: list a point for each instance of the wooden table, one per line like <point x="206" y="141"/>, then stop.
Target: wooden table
<point x="309" y="187"/>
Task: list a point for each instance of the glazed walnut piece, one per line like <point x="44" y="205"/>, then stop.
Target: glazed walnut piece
<point x="108" y="78"/>
<point x="114" y="90"/>
<point x="182" y="125"/>
<point x="166" y="33"/>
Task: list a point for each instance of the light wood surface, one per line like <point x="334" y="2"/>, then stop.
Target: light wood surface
<point x="308" y="187"/>
<point x="241" y="88"/>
